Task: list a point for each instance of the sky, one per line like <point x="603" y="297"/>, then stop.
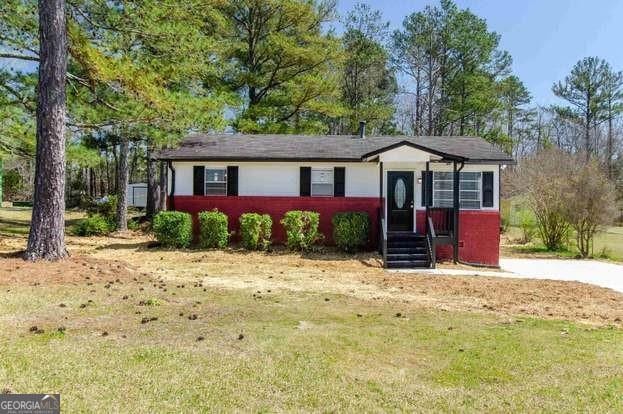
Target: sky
<point x="545" y="37"/>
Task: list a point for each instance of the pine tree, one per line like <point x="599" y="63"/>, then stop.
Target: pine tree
<point x="47" y="230"/>
<point x="368" y="83"/>
<point x="283" y="64"/>
<point x="583" y="89"/>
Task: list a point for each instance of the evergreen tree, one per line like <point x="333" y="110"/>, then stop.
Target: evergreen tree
<point x="282" y="63"/>
<point x="583" y="89"/>
<point x="455" y="64"/>
<point x="47" y="230"/>
<point x="513" y="95"/>
<point x="368" y="83"/>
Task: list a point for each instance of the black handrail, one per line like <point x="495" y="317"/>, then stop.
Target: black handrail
<point x="382" y="237"/>
<point x="443" y="218"/>
<point x="431" y="242"/>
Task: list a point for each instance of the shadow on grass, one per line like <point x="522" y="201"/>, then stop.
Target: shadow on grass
<point x="541" y="250"/>
<point x="147" y="245"/>
<point x="16" y="254"/>
<point x="322" y="253"/>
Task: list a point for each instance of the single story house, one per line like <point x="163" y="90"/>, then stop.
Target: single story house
<point x="428" y="198"/>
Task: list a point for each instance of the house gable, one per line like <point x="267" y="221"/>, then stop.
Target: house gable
<point x="405" y="153"/>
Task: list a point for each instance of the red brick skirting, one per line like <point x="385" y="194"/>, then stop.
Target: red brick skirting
<point x="278" y="206"/>
<point x="479" y="237"/>
<point x="479" y="240"/>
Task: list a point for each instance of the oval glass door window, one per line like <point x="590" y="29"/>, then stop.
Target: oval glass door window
<point x="400" y="193"/>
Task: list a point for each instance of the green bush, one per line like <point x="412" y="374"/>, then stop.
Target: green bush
<point x="173" y="228"/>
<point x="213" y="229"/>
<point x="301" y="229"/>
<point x="527" y="223"/>
<point x="95" y="225"/>
<point x="134" y="224"/>
<point x="12" y="184"/>
<point x="255" y="231"/>
<point x="106" y="207"/>
<point x="350" y="230"/>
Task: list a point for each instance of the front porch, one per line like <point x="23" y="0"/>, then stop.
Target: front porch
<point x="412" y="226"/>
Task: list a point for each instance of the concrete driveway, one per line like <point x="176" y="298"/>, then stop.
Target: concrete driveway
<point x="603" y="274"/>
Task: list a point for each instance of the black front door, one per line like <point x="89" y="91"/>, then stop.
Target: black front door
<point x="400" y="200"/>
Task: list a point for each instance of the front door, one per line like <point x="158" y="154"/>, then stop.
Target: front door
<point x="400" y="200"/>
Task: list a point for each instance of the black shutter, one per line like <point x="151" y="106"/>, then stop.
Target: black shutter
<point x="199" y="180"/>
<point x="339" y="179"/>
<point x="487" y="189"/>
<point x="427" y="188"/>
<point x="305" y="182"/>
<point x="232" y="180"/>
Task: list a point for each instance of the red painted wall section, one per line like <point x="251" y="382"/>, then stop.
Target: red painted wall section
<point x="479" y="237"/>
<point x="278" y="206"/>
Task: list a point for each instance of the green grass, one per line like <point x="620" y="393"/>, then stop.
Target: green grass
<point x="608" y="245"/>
<point x="299" y="352"/>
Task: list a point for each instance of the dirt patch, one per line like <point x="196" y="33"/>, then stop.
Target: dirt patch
<point x="361" y="276"/>
<point x="548" y="299"/>
<point x="14" y="270"/>
<point x="329" y="272"/>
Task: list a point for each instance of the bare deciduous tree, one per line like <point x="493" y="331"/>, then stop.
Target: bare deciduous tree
<point x="543" y="179"/>
<point x="591" y="203"/>
<point x="564" y="191"/>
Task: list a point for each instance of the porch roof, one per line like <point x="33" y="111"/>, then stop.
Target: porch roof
<point x="344" y="148"/>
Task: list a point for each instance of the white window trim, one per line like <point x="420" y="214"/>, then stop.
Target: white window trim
<point x="452" y="180"/>
<point x="479" y="191"/>
<point x="311" y="184"/>
<point x="205" y="181"/>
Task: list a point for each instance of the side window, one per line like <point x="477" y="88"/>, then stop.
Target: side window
<point x="469" y="190"/>
<point x="215" y="181"/>
<point x="322" y="182"/>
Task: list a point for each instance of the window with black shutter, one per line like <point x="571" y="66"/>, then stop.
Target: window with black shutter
<point x="232" y="180"/>
<point x="339" y="181"/>
<point x="487" y="189"/>
<point x="427" y="188"/>
<point x="305" y="182"/>
<point x="198" y="180"/>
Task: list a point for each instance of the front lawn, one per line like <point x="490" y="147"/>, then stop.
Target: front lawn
<point x="608" y="245"/>
<point x="123" y="327"/>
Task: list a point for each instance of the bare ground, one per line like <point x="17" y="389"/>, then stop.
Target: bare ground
<point x="132" y="256"/>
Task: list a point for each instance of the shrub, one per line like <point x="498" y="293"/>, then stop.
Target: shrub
<point x="255" y="231"/>
<point x="543" y="180"/>
<point x="134" y="224"/>
<point x="590" y="201"/>
<point x="12" y="184"/>
<point x="173" y="228"/>
<point x="505" y="214"/>
<point x="301" y="229"/>
<point x="106" y="206"/>
<point x="213" y="229"/>
<point x="350" y="230"/>
<point x="95" y="225"/>
<point x="527" y="223"/>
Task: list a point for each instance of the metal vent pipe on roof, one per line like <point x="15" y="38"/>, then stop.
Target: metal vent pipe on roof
<point x="362" y="129"/>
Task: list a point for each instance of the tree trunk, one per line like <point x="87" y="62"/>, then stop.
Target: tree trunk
<point x="133" y="163"/>
<point x="153" y="192"/>
<point x="47" y="231"/>
<point x="609" y="147"/>
<point x="109" y="186"/>
<point x="164" y="178"/>
<point x="122" y="185"/>
<point x="116" y="169"/>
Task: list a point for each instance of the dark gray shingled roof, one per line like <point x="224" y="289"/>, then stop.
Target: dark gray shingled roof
<point x="325" y="147"/>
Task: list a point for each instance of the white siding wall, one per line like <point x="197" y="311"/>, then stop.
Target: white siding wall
<point x="281" y="178"/>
